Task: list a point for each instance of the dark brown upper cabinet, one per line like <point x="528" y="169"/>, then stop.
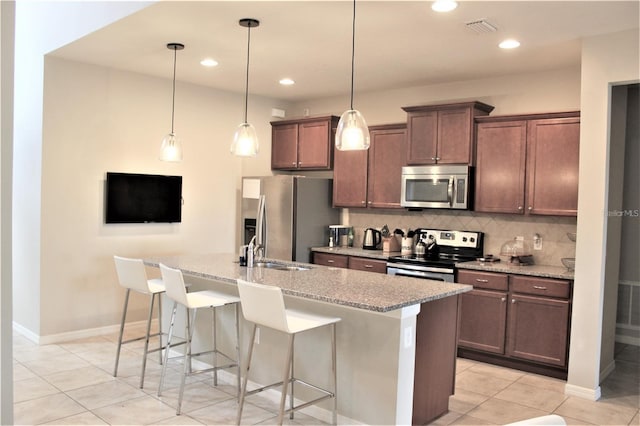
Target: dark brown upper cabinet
<point x="303" y="144"/>
<point x="443" y="134"/>
<point x="528" y="164"/>
<point x="372" y="178"/>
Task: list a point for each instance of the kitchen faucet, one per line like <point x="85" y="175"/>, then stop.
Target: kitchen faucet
<point x="252" y="252"/>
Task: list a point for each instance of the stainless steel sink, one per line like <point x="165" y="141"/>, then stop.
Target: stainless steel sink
<point x="280" y="266"/>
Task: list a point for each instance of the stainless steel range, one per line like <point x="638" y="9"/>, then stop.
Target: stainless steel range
<point x="436" y="252"/>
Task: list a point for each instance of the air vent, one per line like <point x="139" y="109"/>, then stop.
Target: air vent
<point x="481" y="26"/>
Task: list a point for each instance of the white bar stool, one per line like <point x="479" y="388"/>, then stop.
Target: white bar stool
<point x="133" y="276"/>
<point x="263" y="305"/>
<point x="176" y="290"/>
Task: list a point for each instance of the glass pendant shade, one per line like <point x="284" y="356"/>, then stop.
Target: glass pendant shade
<point x="171" y="148"/>
<point x="352" y="133"/>
<point x="245" y="141"/>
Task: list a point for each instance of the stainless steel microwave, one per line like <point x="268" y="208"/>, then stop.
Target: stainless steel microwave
<point x="436" y="187"/>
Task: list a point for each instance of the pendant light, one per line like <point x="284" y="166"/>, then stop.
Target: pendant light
<point x="171" y="148"/>
<point x="245" y="140"/>
<point x="352" y="133"/>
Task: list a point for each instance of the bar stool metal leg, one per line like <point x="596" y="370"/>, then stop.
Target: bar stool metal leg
<point x="239" y="367"/>
<point x="335" y="374"/>
<point x="124" y="317"/>
<point x="166" y="351"/>
<point x="286" y="378"/>
<point x="146" y="340"/>
<point x="243" y="392"/>
<point x="215" y="349"/>
<point x="160" y="329"/>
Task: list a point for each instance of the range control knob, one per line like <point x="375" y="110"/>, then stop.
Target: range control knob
<point x="464" y="239"/>
<point x="473" y="240"/>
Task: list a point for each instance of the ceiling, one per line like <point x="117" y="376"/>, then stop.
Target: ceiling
<point x="398" y="43"/>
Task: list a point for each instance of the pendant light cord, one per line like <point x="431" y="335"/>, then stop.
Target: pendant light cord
<point x="353" y="48"/>
<point x="173" y="100"/>
<point x="246" y="92"/>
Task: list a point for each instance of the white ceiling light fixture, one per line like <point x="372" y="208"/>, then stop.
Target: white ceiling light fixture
<point x="352" y="133"/>
<point x="287" y="82"/>
<point x="509" y="44"/>
<point x="209" y="62"/>
<point x="245" y="139"/>
<point x="444" y="5"/>
<point x="171" y="148"/>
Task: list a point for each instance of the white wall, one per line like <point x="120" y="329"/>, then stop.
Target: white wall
<point x="606" y="60"/>
<point x="557" y="90"/>
<point x="40" y="28"/>
<point x="98" y="120"/>
<point x="7" y="31"/>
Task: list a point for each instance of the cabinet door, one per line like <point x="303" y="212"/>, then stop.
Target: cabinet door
<point x="500" y="167"/>
<point x="350" y="178"/>
<point x="387" y="156"/>
<point x="552" y="166"/>
<point x="483" y="320"/>
<point x="369" y="265"/>
<point x="422" y="130"/>
<point x="454" y="136"/>
<point x="284" y="146"/>
<point x="314" y="145"/>
<point x="328" y="259"/>
<point x="538" y="329"/>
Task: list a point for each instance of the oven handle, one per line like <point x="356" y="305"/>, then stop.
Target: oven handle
<point x="417" y="274"/>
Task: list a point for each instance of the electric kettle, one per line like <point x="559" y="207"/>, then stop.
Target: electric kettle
<point x="372" y="238"/>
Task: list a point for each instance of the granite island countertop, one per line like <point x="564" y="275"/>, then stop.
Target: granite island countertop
<point x="543" y="271"/>
<point x="363" y="290"/>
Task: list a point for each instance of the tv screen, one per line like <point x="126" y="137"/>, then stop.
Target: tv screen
<point x="140" y="198"/>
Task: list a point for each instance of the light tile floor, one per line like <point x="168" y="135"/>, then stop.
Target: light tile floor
<point x="72" y="384"/>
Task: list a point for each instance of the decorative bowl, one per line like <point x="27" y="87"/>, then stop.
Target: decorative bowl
<point x="569" y="263"/>
<point x="572" y="236"/>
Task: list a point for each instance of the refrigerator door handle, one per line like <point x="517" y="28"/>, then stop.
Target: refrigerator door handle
<point x="261" y="225"/>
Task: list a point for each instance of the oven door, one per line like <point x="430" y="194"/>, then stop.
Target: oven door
<point x="426" y="273"/>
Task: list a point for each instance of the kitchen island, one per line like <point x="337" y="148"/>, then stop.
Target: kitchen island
<point x="391" y="328"/>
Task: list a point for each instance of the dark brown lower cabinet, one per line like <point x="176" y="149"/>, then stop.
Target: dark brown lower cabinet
<point x="485" y="322"/>
<point x="526" y="327"/>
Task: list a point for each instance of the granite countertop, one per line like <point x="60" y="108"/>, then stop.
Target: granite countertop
<point x="363" y="290"/>
<point x="545" y="271"/>
<point x="355" y="251"/>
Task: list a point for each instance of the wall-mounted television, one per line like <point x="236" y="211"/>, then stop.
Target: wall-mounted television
<point x="141" y="198"/>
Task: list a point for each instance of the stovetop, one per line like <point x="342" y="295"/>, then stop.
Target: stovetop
<point x="451" y="247"/>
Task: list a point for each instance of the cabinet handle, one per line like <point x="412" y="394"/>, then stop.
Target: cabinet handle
<point x="364" y="202"/>
<point x="433" y="158"/>
<point x="330" y="261"/>
<point x="504" y="299"/>
<point x="294" y="164"/>
<point x="369" y="202"/>
<point x="530" y="208"/>
<point x="539" y="287"/>
<point x="437" y="158"/>
<point x="520" y="208"/>
<point x="513" y="300"/>
<point x="481" y="280"/>
<point x="368" y="266"/>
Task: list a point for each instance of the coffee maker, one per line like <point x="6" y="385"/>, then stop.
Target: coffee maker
<point x="340" y="235"/>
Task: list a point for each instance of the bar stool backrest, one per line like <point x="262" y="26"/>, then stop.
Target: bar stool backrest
<point x="174" y="283"/>
<point x="131" y="274"/>
<point x="263" y="305"/>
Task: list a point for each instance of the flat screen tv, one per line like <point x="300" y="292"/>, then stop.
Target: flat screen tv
<point x="140" y="198"/>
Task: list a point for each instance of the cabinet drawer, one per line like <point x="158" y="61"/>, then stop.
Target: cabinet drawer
<point x="540" y="286"/>
<point x="369" y="265"/>
<point x="326" y="259"/>
<point x="487" y="280"/>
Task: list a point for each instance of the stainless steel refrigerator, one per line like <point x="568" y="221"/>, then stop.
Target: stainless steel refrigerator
<point x="288" y="214"/>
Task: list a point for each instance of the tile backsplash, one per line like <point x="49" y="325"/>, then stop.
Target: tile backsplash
<point x="497" y="228"/>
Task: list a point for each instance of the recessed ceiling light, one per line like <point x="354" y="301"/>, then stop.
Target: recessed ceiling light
<point x="287" y="82"/>
<point x="444" y="5"/>
<point x="509" y="44"/>
<point x="208" y="62"/>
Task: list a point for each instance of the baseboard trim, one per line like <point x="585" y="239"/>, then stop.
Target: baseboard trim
<point x="73" y="335"/>
<point x="585" y="393"/>
<point x="629" y="340"/>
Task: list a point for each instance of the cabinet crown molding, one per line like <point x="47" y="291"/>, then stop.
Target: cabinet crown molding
<point x="474" y="104"/>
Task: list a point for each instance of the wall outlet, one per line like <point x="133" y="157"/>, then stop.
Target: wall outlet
<point x="257" y="338"/>
<point x="537" y="242"/>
